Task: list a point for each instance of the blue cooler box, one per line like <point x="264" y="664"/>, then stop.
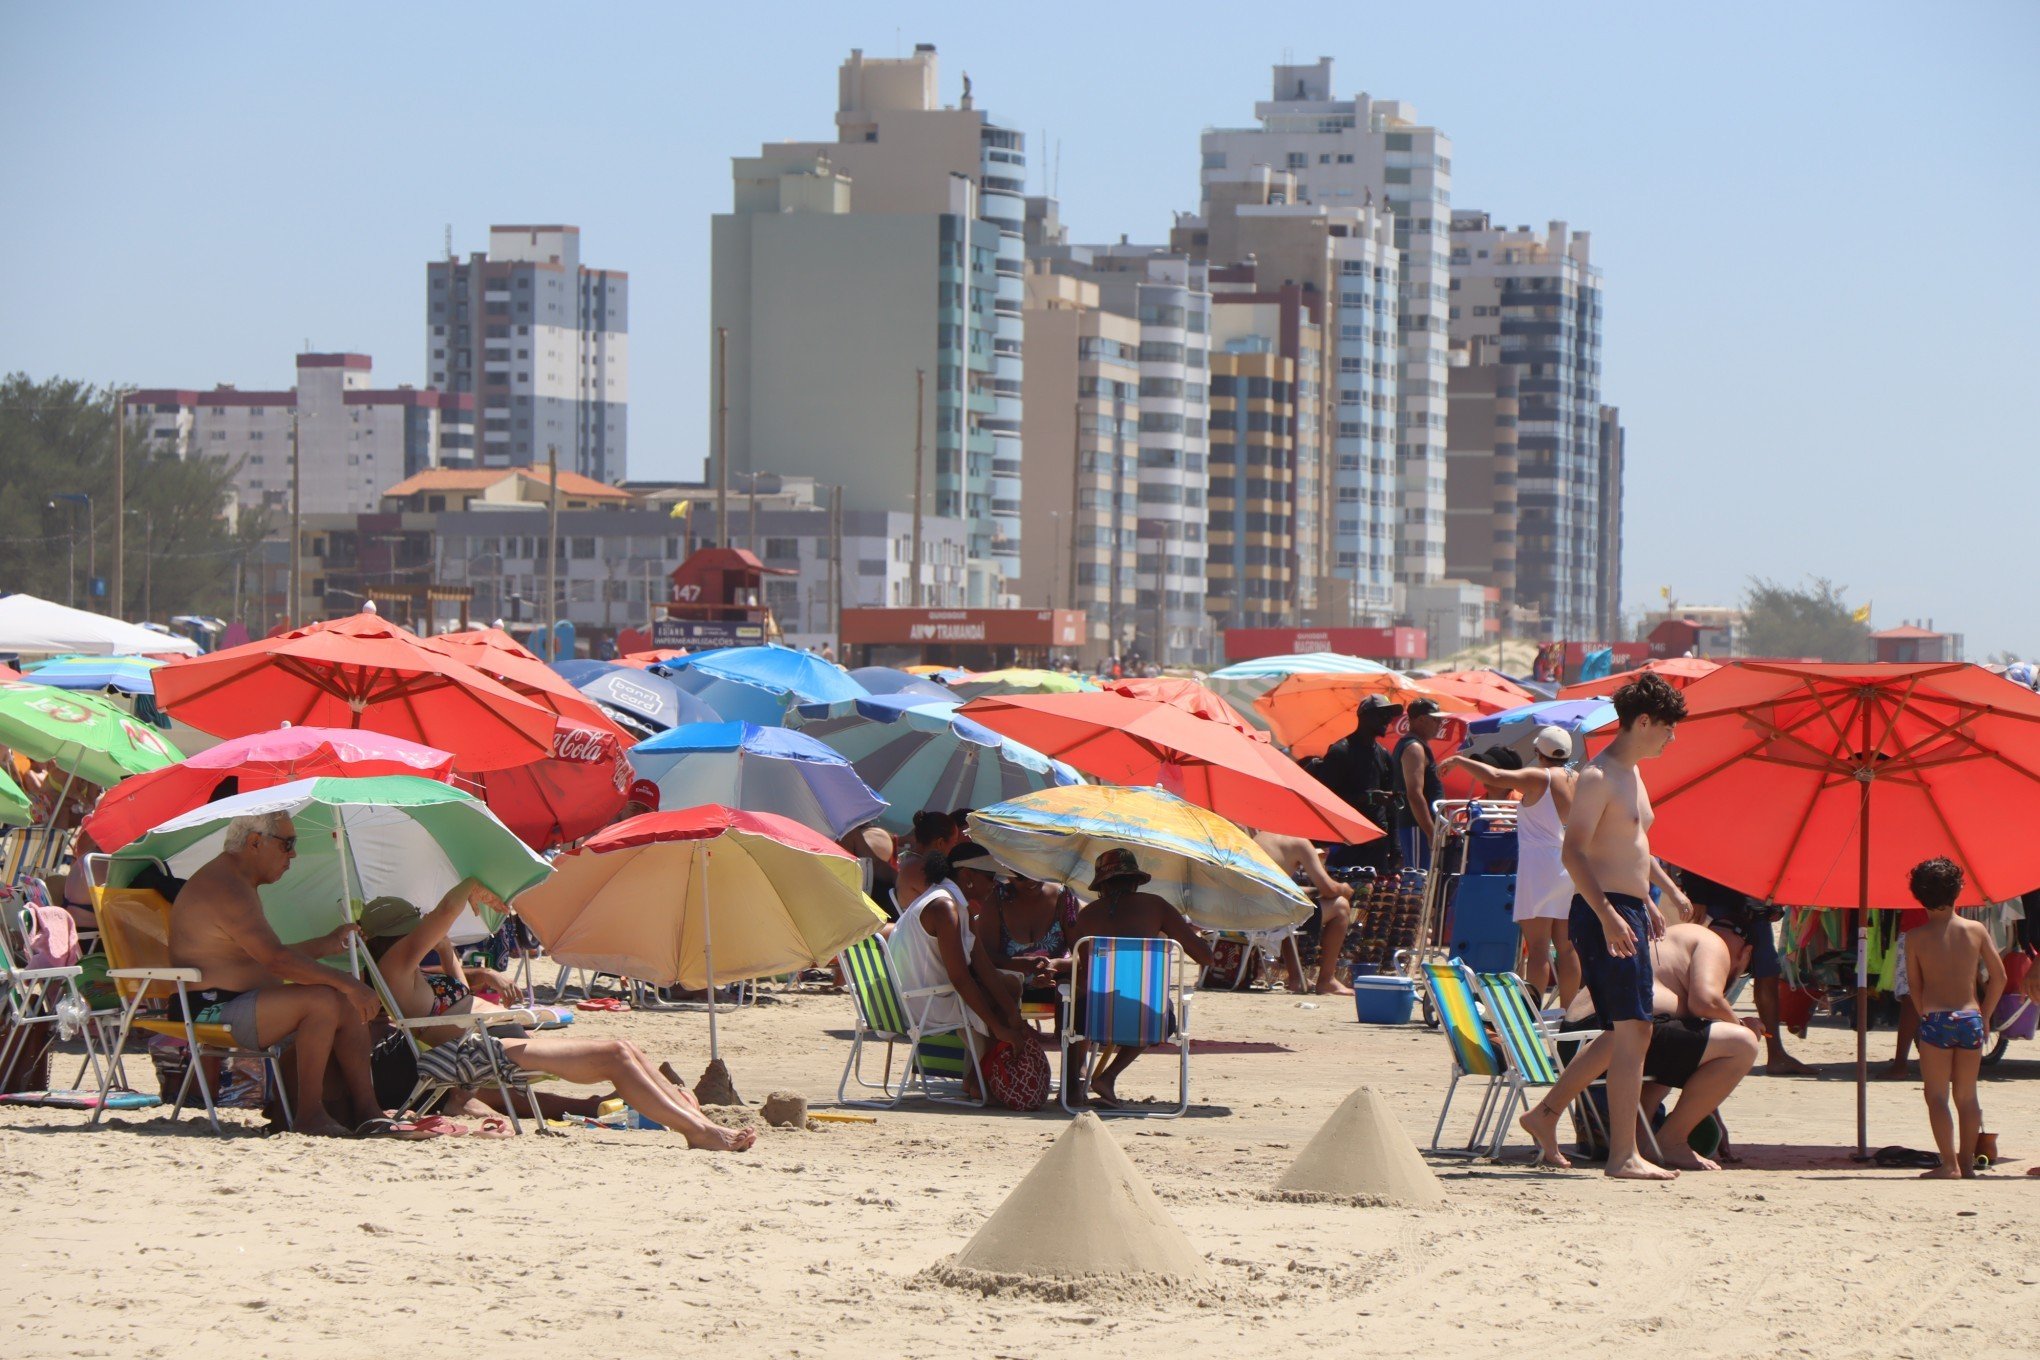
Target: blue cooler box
<point x="1384" y="1000"/>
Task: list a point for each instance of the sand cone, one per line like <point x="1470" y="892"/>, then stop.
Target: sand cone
<point x="1083" y="1210"/>
<point x="715" y="1086"/>
<point x="1362" y="1154"/>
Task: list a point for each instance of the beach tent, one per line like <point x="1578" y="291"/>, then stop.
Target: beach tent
<point x="35" y="627"/>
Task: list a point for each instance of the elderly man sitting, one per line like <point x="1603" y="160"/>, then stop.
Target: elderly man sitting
<point x="265" y="991"/>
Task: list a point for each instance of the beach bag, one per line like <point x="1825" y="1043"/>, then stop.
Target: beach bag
<point x="1016" y="1078"/>
<point x="393" y="1067"/>
<point x="51" y="935"/>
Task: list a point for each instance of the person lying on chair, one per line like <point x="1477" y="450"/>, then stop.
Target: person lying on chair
<point x="1122" y="910"/>
<point x="400" y="945"/>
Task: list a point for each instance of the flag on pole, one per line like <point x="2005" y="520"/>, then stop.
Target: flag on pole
<point x="1862" y="614"/>
<point x="680" y="510"/>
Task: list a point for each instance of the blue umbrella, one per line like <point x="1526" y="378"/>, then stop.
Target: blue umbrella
<point x="1517" y="727"/>
<point x="127" y="674"/>
<point x="645" y="702"/>
<point x="758" y="769"/>
<point x="919" y="754"/>
<point x="886" y="680"/>
<point x="758" y="684"/>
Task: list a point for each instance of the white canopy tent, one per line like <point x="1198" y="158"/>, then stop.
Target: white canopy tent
<point x="33" y="627"/>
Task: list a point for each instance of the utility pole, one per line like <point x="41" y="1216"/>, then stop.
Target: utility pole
<point x="119" y="609"/>
<point x="297" y="517"/>
<point x="920" y="400"/>
<point x="552" y="548"/>
<point x="722" y="435"/>
<point x="836" y="566"/>
<point x="752" y="475"/>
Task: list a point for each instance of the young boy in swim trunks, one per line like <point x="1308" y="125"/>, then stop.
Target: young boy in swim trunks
<point x="1943" y="958"/>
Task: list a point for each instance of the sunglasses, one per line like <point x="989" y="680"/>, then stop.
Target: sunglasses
<point x="289" y="843"/>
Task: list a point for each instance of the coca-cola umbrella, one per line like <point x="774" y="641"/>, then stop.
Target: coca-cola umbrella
<point x="361" y="672"/>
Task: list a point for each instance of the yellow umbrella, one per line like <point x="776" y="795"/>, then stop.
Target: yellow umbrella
<point x="701" y="896"/>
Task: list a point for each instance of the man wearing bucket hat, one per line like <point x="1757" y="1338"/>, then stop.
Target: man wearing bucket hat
<point x="1543" y="888"/>
<point x="1122" y="909"/>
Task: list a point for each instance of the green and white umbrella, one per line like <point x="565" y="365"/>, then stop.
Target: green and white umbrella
<point x="358" y="839"/>
<point x="14" y="808"/>
<point x="82" y="734"/>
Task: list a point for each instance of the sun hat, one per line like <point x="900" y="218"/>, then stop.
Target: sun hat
<point x="1115" y="864"/>
<point x="971" y="855"/>
<point x="388" y="916"/>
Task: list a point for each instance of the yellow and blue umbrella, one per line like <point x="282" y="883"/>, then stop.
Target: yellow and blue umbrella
<point x="1020" y="680"/>
<point x="1210" y="869"/>
<point x="918" y="753"/>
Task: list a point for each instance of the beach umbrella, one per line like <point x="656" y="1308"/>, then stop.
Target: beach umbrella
<point x="1245" y="681"/>
<point x="14" y="805"/>
<point x="1019" y="680"/>
<point x="1517" y="728"/>
<point x="1188" y="695"/>
<point x="260" y="760"/>
<point x="919" y="754"/>
<point x="644" y="702"/>
<point x="886" y="680"/>
<point x="30" y="626"/>
<point x="1207" y="867"/>
<point x="360" y="672"/>
<point x="757" y="769"/>
<point x="1486" y="691"/>
<point x="84" y="735"/>
<point x="126" y="674"/>
<point x="758" y="684"/>
<point x="655" y="657"/>
<point x="1822" y="785"/>
<point x="702" y="896"/>
<point x="1677" y="671"/>
<point x="1139" y="742"/>
<point x="358" y="839"/>
<point x="1307" y="713"/>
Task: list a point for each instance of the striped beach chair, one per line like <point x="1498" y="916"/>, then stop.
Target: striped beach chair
<point x="1474" y="1054"/>
<point x="1526" y="1044"/>
<point x="882" y="1011"/>
<point x="1127" y="992"/>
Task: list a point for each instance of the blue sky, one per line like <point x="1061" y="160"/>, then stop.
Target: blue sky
<point x="1817" y="220"/>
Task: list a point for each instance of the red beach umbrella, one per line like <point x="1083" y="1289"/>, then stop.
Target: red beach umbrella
<point x="1676" y="671"/>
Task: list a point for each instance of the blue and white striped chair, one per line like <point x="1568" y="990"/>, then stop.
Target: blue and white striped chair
<point x="1127" y="992"/>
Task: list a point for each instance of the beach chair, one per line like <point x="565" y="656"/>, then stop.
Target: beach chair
<point x="468" y="1063"/>
<point x="1525" y="1042"/>
<point x="30" y="1017"/>
<point x="1474" y="1054"/>
<point x="1128" y="991"/>
<point x="883" y="1011"/>
<point x="134" y="928"/>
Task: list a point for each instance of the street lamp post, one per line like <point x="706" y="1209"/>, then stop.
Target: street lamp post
<point x="148" y="563"/>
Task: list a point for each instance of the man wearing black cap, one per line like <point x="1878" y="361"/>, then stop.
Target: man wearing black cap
<point x="1359" y="769"/>
<point x="1420" y="785"/>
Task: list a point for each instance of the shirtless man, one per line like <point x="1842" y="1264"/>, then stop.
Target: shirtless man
<point x="246" y="974"/>
<point x="1613" y="920"/>
<point x="1335" y="910"/>
<point x="592" y="1060"/>
<point x="1543" y="889"/>
<point x="1697" y="1044"/>
<point x="1943" y="959"/>
<point x="1123" y="910"/>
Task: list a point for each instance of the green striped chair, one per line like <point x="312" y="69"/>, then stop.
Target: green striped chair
<point x="1474" y="1054"/>
<point x="882" y="1012"/>
<point x="1525" y="1043"/>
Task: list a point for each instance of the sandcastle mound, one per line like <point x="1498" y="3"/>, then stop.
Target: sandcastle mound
<point x="1361" y="1154"/>
<point x="1082" y="1212"/>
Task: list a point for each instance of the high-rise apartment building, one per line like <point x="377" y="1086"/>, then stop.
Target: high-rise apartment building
<point x="1481" y="461"/>
<point x="542" y="342"/>
<point x="1535" y="299"/>
<point x="1261" y="241"/>
<point x="1608" y="601"/>
<point x="353" y="438"/>
<point x="1360" y="153"/>
<point x="843" y="268"/>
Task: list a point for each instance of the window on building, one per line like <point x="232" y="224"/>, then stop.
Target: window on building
<point x="782" y="549"/>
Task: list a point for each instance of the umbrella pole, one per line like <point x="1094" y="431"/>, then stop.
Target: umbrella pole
<point x="708" y="951"/>
<point x="1863" y="954"/>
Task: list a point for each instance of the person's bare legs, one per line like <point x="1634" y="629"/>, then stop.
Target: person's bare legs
<point x="1338" y="919"/>
<point x="1966" y="1063"/>
<point x="1908" y="1034"/>
<point x="1104" y="1085"/>
<point x="1731" y="1053"/>
<point x="1777" y="1062"/>
<point x="596" y="1061"/>
<point x="1935" y="1066"/>
<point x="1537" y="933"/>
<point x="325" y="1028"/>
<point x="1625" y="1095"/>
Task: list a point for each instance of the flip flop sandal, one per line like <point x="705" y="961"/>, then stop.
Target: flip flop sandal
<point x="494" y="1128"/>
<point x="384" y="1127"/>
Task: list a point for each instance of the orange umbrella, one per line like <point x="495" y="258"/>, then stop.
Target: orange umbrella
<point x="1308" y="712"/>
<point x="640" y="660"/>
<point x="1188" y="695"/>
<point x="1822" y="785"/>
<point x="1125" y="740"/>
<point x="1677" y="671"/>
<point x="360" y="672"/>
<point x="1488" y="691"/>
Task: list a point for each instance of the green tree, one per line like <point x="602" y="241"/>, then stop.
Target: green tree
<point x="58" y="438"/>
<point x="1810" y="621"/>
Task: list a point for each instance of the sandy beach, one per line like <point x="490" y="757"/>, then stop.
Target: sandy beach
<point x="138" y="1239"/>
